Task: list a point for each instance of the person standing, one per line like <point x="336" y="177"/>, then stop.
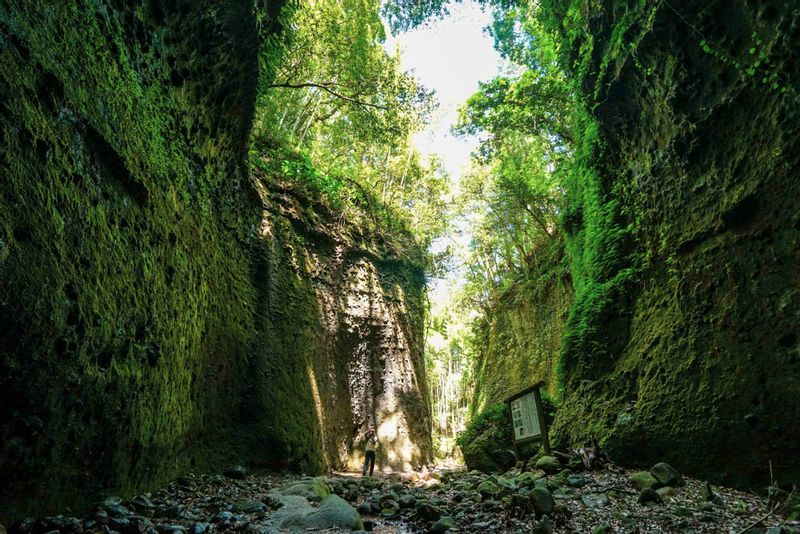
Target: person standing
<point x="369" y="452"/>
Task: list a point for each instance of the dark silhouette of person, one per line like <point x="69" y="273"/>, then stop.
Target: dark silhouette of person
<point x="369" y="453"/>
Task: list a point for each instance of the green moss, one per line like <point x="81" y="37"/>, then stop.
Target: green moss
<point x="519" y="341"/>
<point x="487" y="443"/>
<point x="681" y="238"/>
<point x="124" y="291"/>
<point x="148" y="324"/>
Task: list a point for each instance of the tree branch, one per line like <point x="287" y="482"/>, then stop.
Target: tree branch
<point x="327" y="88"/>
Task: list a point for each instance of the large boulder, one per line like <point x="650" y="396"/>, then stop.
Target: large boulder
<point x="333" y="512"/>
<point x="666" y="474"/>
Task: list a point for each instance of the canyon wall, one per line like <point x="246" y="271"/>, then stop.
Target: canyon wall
<point x="684" y="236"/>
<point x="521" y="339"/>
<point x="340" y="348"/>
<point x="158" y="312"/>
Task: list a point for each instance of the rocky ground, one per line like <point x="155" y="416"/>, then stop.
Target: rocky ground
<point x="548" y="495"/>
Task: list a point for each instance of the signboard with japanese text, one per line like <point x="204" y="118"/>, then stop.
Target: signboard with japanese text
<point x="525" y="417"/>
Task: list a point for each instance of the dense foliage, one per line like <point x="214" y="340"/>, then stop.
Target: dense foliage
<point x="449" y="353"/>
<point x="516" y="277"/>
<point x="516" y="188"/>
<point x="516" y="280"/>
<point x="338" y="115"/>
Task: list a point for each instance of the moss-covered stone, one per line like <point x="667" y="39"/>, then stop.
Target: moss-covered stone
<point x="542" y="501"/>
<point x="548" y="464"/>
<point x="487" y="443"/>
<point x="643" y="479"/>
<point x="313" y="490"/>
<point x="333" y="513"/>
<point x="666" y="474"/>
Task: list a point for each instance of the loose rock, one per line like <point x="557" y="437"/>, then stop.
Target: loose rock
<point x="444" y="524"/>
<point x="428" y="512"/>
<point x="595" y="500"/>
<point x="488" y="489"/>
<point x="666" y="474"/>
<point x="708" y="493"/>
<point x="644" y="479"/>
<point x="548" y="464"/>
<point x="666" y="491"/>
<point x="251" y="507"/>
<point x="577" y="481"/>
<point x="407" y="501"/>
<point x="542" y="501"/>
<point x="648" y="495"/>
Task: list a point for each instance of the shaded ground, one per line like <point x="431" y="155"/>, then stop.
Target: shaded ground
<point x="518" y="501"/>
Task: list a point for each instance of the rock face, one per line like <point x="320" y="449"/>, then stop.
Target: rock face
<point x="340" y="325"/>
<point x="521" y="340"/>
<point x="684" y="231"/>
<point x="158" y="311"/>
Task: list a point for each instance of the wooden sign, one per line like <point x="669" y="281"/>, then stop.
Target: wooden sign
<point x="527" y="416"/>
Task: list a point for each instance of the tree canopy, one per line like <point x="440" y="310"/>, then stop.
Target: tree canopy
<point x="515" y="192"/>
<point x="339" y="112"/>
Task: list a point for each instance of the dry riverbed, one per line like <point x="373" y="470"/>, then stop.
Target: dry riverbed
<point x="546" y="497"/>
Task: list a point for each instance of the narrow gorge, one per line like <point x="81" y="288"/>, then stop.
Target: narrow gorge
<point x="238" y="238"/>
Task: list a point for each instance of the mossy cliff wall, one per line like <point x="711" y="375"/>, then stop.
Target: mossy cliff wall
<point x="124" y="292"/>
<point x="684" y="234"/>
<point x="349" y="317"/>
<point x="139" y="336"/>
<point x="521" y="338"/>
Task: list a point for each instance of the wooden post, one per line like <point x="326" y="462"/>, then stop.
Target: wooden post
<point x="537" y="396"/>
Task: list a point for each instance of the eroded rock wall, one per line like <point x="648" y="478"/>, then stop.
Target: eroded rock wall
<point x="341" y="350"/>
<point x="684" y="235"/>
<point x="521" y="339"/>
<point x="149" y="323"/>
<point x="124" y="290"/>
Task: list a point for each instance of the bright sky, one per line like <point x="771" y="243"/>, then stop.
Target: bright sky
<point x="449" y="56"/>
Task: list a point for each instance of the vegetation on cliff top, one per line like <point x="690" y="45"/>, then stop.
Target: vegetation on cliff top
<point x="338" y="115"/>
